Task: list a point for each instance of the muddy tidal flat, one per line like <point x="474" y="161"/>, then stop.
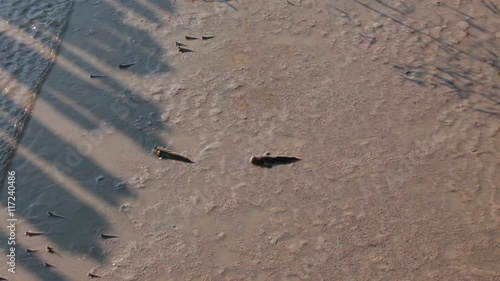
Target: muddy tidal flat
<point x="389" y="112"/>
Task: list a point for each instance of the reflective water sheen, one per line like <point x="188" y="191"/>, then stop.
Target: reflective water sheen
<point x="30" y="33"/>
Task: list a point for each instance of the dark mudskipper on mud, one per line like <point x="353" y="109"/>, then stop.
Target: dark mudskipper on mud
<point x="269" y="161"/>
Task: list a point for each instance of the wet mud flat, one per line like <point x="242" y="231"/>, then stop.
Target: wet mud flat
<point x="30" y="34"/>
<point x="390" y="106"/>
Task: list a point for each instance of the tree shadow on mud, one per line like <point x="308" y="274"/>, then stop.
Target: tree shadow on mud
<point x="468" y="66"/>
<point x="93" y="105"/>
<point x="30" y="261"/>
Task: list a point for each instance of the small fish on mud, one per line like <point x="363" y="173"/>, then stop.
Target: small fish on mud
<point x="30" y="233"/>
<point x="191" y="38"/>
<point x="162" y="152"/>
<point x="54" y="215"/>
<point x="48" y="265"/>
<point x="108" y="236"/>
<point x="3" y="279"/>
<point x="125" y="65"/>
<point x="179" y="44"/>
<point x="207" y="37"/>
<point x="185" y="50"/>
<point x="52" y="251"/>
<point x="269" y="161"/>
<point x="96" y="76"/>
<point x="293" y="4"/>
<point x="31" y="251"/>
<point x="91" y="275"/>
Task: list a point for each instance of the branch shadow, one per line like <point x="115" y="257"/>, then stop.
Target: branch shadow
<point x="225" y="2"/>
<point x="460" y="68"/>
<point x="405" y="10"/>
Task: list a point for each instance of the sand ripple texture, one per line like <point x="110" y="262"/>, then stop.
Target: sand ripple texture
<point x="393" y="107"/>
<point x="29" y="37"/>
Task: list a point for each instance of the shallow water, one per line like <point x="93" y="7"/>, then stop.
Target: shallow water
<point x="30" y="33"/>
